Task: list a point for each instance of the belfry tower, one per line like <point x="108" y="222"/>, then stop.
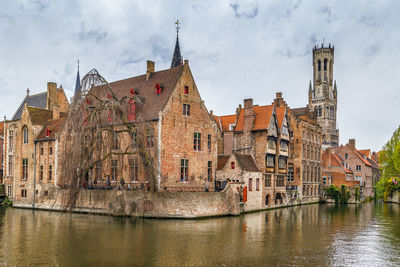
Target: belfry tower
<point x="322" y="94"/>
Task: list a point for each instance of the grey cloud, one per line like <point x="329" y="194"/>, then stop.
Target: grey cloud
<point x="96" y="35"/>
<point x="248" y="11"/>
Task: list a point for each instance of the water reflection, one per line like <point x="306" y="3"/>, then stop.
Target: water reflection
<point x="313" y="235"/>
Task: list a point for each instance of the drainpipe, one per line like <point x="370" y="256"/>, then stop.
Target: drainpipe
<point x="34" y="177"/>
<point x="159" y="151"/>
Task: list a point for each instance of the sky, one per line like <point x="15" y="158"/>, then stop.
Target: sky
<point x="236" y="50"/>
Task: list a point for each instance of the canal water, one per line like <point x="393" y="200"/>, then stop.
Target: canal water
<point x="313" y="235"/>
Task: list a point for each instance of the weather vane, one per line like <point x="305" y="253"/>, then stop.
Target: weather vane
<point x="177" y="26"/>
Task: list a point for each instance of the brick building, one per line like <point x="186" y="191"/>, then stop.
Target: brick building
<point x="20" y="135"/>
<point x="1" y="150"/>
<point x="305" y="170"/>
<point x="263" y="133"/>
<point x="359" y="162"/>
<point x="334" y="172"/>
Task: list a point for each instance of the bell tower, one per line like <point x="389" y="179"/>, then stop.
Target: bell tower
<point x="322" y="94"/>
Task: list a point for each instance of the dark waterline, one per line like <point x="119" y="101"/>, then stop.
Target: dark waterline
<point x="313" y="235"/>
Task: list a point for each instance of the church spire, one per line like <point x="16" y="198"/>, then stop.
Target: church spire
<point x="176" y="58"/>
<point x="78" y="82"/>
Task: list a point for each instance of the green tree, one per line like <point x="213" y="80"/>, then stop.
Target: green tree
<point x="389" y="158"/>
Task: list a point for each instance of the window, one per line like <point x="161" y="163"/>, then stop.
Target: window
<point x="9" y="191"/>
<point x="99" y="140"/>
<point x="284" y="146"/>
<point x="304" y="151"/>
<point x="115" y="143"/>
<point x="358" y="178"/>
<point x="41" y="151"/>
<point x="266" y="200"/>
<point x="50" y="150"/>
<point x="184" y="170"/>
<point x="272" y="144"/>
<point x="114" y="169"/>
<point x="10" y="140"/>
<point x="324" y="180"/>
<point x="134" y="168"/>
<point x="308" y="151"/>
<point x="50" y="172"/>
<point x="304" y="135"/>
<point x="268" y="180"/>
<point x="290" y="177"/>
<point x="319" y="65"/>
<point x="186" y="90"/>
<point x="150" y="140"/>
<point x="346" y="156"/>
<point x="209" y="142"/>
<point x="280" y="182"/>
<point x="358" y="167"/>
<point x="97" y="171"/>
<point x="26" y="134"/>
<point x="10" y="164"/>
<point x="41" y="173"/>
<point x="312" y="153"/>
<point x="308" y="174"/>
<point x="270" y="161"/>
<point x="186" y="110"/>
<point x="282" y="163"/>
<point x="250" y="184"/>
<point x="209" y="171"/>
<point x="24" y="169"/>
<point x="258" y="184"/>
<point x="23" y="193"/>
<point x="325" y="64"/>
<point x="232" y="165"/>
<point x="197" y="141"/>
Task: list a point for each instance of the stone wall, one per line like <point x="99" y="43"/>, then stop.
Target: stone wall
<point x="142" y="203"/>
<point x="395" y="197"/>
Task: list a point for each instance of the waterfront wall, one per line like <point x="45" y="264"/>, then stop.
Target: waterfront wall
<point x="141" y="203"/>
<point x="395" y="197"/>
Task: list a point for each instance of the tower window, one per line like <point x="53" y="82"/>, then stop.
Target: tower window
<point x="319" y="65"/>
<point x="325" y="64"/>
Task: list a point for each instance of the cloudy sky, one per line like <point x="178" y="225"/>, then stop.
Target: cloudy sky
<point x="236" y="49"/>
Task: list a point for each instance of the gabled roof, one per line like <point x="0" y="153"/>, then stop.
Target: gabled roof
<point x="145" y="89"/>
<point x="280" y="114"/>
<point x="37" y="100"/>
<point x="339" y="161"/>
<point x="334" y="160"/>
<point x="224" y="121"/>
<point x="53" y="126"/>
<point x="364" y="160"/>
<point x="365" y="152"/>
<point x="39" y="116"/>
<point x="262" y="119"/>
<point x="246" y="162"/>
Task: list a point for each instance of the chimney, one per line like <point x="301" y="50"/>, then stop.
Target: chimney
<point x="278" y="95"/>
<point x="186" y="62"/>
<point x="212" y="112"/>
<point x="248" y="115"/>
<point x="150" y="69"/>
<point x="238" y="109"/>
<point x="352" y="143"/>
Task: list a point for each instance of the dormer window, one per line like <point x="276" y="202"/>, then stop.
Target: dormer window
<point x="158" y="89"/>
<point x="186" y="90"/>
<point x="231" y="127"/>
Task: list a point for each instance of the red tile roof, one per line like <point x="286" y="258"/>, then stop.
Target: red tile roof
<point x="51" y="127"/>
<point x="224" y="121"/>
<point x="366" y="162"/>
<point x="280" y="114"/>
<point x="262" y="118"/>
<point x="365" y="152"/>
<point x="1" y="128"/>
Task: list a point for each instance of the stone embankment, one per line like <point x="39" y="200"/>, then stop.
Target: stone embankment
<point x="141" y="203"/>
<point x="394" y="197"/>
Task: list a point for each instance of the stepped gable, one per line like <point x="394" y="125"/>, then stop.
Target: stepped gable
<point x="145" y="90"/>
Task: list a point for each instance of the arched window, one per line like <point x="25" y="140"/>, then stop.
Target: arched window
<point x="319" y="65"/>
<point x="25" y="134"/>
<point x="325" y="64"/>
<point x="266" y="200"/>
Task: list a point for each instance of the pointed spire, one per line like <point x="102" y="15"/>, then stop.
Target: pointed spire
<point x="176" y="58"/>
<point x="78" y="81"/>
<point x="310" y="87"/>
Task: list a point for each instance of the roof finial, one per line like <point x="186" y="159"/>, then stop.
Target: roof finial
<point x="27" y="91"/>
<point x="177" y="26"/>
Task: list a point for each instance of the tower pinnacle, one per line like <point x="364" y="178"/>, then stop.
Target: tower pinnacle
<point x="176" y="58"/>
<point x="77" y="82"/>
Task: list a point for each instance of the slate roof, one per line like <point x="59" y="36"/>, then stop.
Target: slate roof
<point x="247" y="162"/>
<point x="54" y="126"/>
<point x="37" y="100"/>
<point x="39" y="116"/>
<point x="145" y="89"/>
<point x="262" y="118"/>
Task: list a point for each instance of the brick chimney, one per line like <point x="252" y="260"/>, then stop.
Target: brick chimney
<point x="150" y="69"/>
<point x="352" y="143"/>
<point x="278" y="101"/>
<point x="249" y="115"/>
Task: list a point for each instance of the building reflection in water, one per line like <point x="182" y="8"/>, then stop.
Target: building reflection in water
<point x="311" y="235"/>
